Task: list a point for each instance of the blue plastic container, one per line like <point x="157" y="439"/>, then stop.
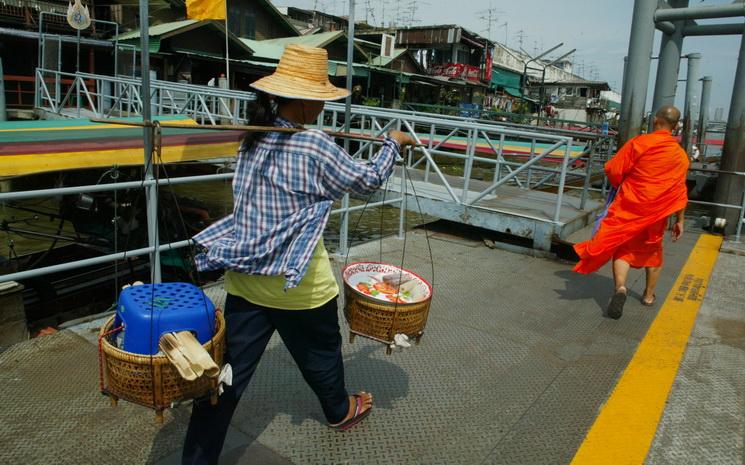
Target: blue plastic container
<point x="148" y="311"/>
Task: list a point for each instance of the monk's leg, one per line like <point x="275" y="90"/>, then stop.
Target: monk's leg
<point x="653" y="274"/>
<point x="620" y="273"/>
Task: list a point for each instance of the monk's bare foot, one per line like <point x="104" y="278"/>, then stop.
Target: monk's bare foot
<point x="648" y="299"/>
<point x="359" y="407"/>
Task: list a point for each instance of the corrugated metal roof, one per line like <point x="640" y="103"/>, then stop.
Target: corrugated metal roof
<point x="272" y="49"/>
<point x="314" y="40"/>
<point x="264" y="49"/>
<point x="158" y="30"/>
<point x="385" y="61"/>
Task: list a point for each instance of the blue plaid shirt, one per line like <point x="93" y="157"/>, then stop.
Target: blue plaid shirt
<point x="283" y="190"/>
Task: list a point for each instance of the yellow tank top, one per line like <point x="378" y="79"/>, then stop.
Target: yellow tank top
<point x="317" y="287"/>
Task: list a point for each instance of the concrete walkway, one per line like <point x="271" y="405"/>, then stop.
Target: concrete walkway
<point x="515" y="365"/>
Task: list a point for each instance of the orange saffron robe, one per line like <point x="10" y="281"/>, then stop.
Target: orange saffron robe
<point x="650" y="174"/>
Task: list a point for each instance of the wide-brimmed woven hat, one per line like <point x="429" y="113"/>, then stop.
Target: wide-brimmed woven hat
<point x="302" y="73"/>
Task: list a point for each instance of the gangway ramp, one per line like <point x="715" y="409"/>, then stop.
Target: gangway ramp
<point x="512" y="210"/>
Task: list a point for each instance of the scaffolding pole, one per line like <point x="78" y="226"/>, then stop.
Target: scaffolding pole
<point x="151" y="192"/>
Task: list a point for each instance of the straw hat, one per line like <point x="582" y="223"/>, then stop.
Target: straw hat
<point x="302" y="73"/>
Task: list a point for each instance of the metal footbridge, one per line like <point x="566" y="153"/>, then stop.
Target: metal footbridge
<point x="528" y="181"/>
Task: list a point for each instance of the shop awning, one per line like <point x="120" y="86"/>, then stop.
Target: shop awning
<point x="513" y="92"/>
<point x="503" y="78"/>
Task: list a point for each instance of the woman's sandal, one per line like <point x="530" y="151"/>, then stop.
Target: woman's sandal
<point x="358" y="416"/>
<point x="649" y="304"/>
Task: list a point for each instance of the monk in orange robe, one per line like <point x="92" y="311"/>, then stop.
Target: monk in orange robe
<point x="649" y="173"/>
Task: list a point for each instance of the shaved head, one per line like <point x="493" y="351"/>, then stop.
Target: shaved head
<point x="667" y="117"/>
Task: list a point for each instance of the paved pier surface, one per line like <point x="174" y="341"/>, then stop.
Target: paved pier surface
<point x="516" y="367"/>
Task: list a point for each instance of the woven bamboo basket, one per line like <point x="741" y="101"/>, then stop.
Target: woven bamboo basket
<point x="379" y="320"/>
<point x="152" y="381"/>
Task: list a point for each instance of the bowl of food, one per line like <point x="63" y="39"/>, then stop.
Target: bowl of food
<point x="383" y="300"/>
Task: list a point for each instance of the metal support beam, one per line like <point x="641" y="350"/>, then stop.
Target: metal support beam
<point x="694" y="59"/>
<point x="703" y="114"/>
<point x="666" y="27"/>
<point x="151" y="192"/>
<point x="712" y="29"/>
<point x="730" y="187"/>
<point x="636" y="79"/>
<point x="701" y="12"/>
<point x="3" y="113"/>
<point x="668" y="66"/>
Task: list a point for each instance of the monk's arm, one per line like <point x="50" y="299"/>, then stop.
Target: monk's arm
<point x="680" y="216"/>
<point x="617" y="167"/>
<point x="678" y="226"/>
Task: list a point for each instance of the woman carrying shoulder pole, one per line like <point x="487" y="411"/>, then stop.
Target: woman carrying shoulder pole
<point x="278" y="275"/>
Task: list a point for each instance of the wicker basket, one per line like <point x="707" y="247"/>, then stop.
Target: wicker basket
<point x="381" y="321"/>
<point x="152" y="381"/>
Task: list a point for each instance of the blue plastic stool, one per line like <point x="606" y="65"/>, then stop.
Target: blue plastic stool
<point x="148" y="311"/>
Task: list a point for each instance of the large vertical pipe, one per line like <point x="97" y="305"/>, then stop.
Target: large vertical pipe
<point x="730" y="187"/>
<point x="691" y="79"/>
<point x="637" y="69"/>
<point x="151" y="191"/>
<point x="703" y="114"/>
<point x="668" y="64"/>
<point x="3" y="113"/>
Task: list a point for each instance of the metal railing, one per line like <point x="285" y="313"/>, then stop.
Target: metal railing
<point x="143" y="184"/>
<point x="481" y="142"/>
<point x="504" y="117"/>
<point x="457" y="145"/>
<point x="451" y="149"/>
<point x="739" y="208"/>
<point x="84" y="94"/>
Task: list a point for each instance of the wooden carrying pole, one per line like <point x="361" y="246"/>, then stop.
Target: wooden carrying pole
<point x="237" y="127"/>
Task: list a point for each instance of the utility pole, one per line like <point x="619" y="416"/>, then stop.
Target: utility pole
<point x="383" y="4"/>
<point x="506" y="31"/>
<point x="489" y="15"/>
<point x="520" y="37"/>
<point x="369" y="11"/>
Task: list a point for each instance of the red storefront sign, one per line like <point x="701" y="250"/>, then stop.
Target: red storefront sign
<point x="458" y="71"/>
<point x="489" y="63"/>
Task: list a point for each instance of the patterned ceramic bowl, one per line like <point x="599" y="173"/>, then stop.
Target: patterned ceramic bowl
<point x="367" y="278"/>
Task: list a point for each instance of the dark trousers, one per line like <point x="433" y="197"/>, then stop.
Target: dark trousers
<point x="313" y="339"/>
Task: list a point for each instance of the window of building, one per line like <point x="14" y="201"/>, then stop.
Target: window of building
<point x="242" y="22"/>
<point x="569" y="91"/>
<point x="583" y="91"/>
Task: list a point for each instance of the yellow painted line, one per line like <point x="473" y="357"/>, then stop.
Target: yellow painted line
<point x="626" y="426"/>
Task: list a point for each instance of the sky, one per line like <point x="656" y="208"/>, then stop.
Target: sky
<point x="598" y="29"/>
